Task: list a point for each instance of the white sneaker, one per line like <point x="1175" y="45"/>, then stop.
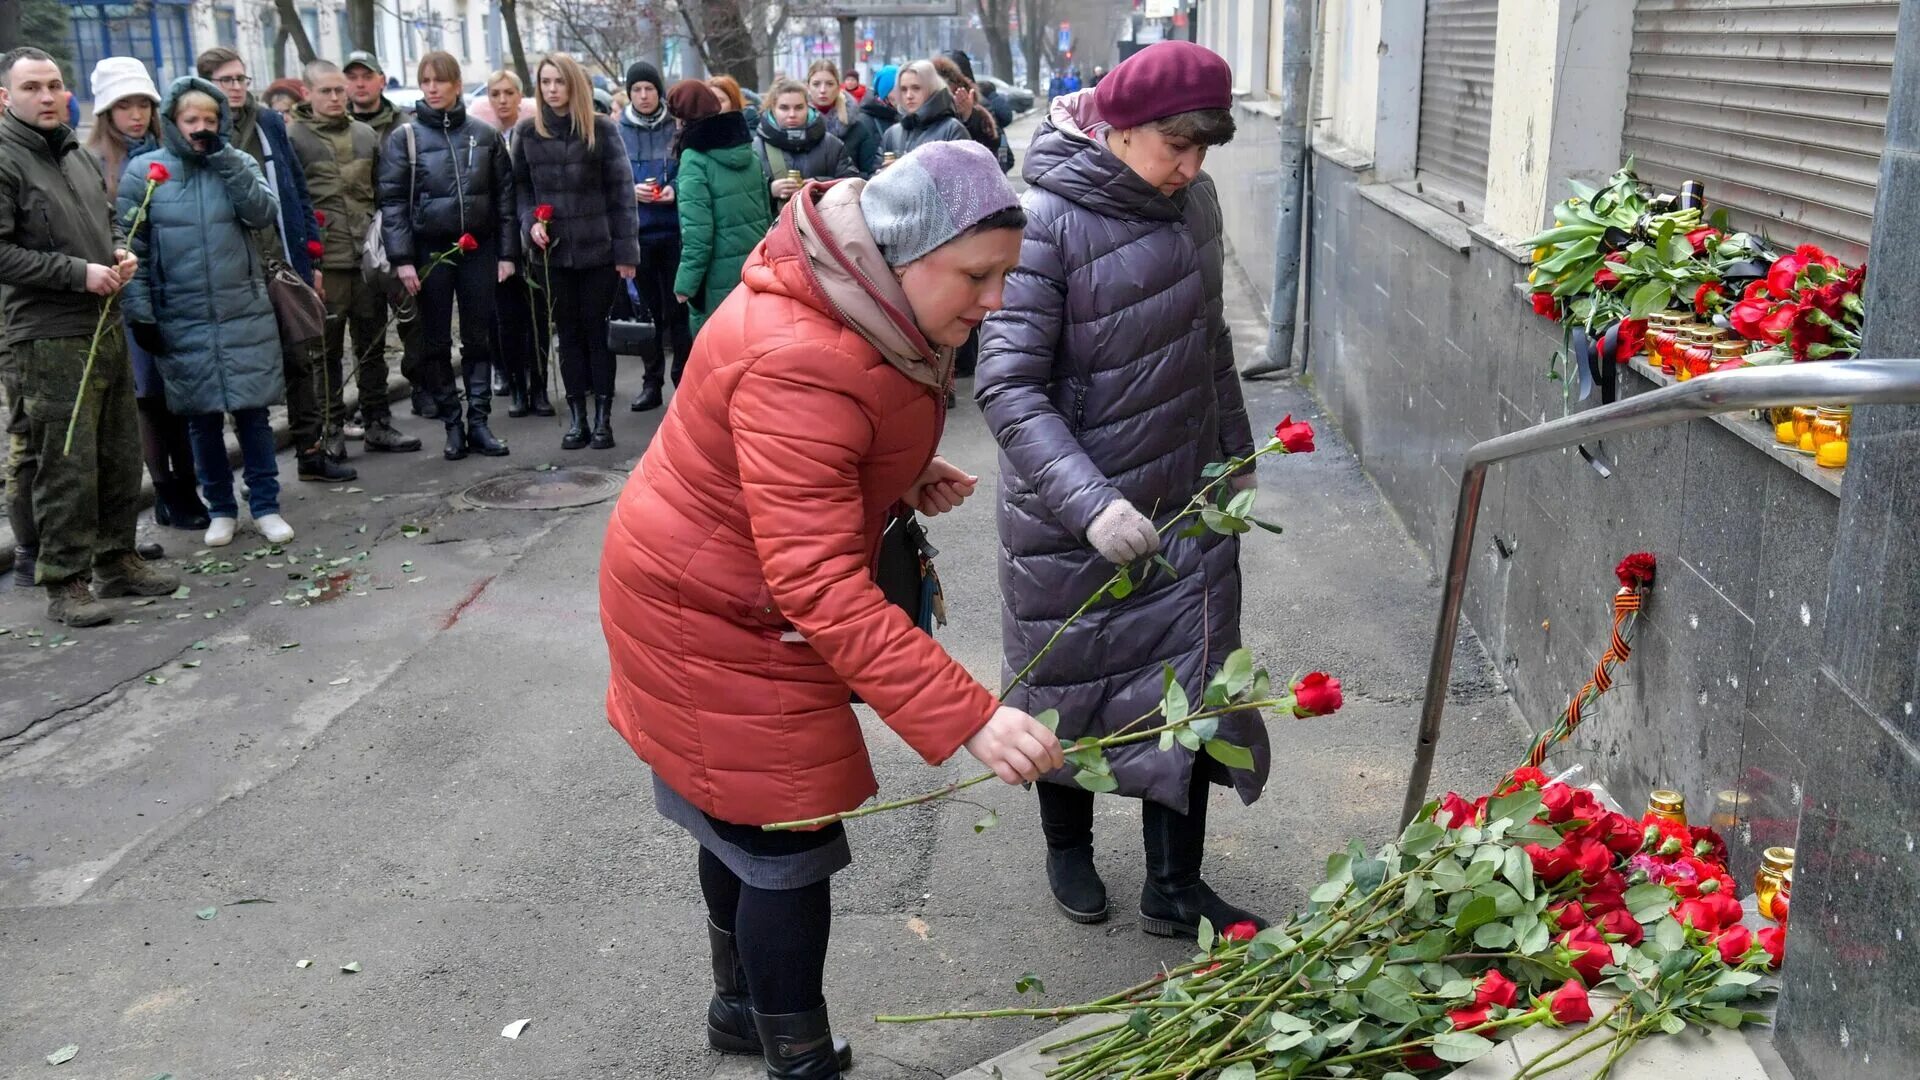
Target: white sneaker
<point x="220" y="532"/>
<point x="353" y="429"/>
<point x="274" y="528"/>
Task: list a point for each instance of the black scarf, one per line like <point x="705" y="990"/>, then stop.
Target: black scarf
<point x="716" y="132"/>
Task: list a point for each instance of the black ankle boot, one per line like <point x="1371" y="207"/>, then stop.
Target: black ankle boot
<point x="456" y="441"/>
<point x="1173" y="899"/>
<point x="537" y="399"/>
<point x="480" y="437"/>
<point x="576" y="436"/>
<point x="177" y="506"/>
<point x="602" y="422"/>
<point x="730" y="1027"/>
<point x="517" y="404"/>
<point x="647" y="399"/>
<point x="1077" y="889"/>
<point x="800" y="1046"/>
<point x="481" y="440"/>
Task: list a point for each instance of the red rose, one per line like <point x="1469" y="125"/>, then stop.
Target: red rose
<point x="1591" y="859"/>
<point x="1469" y="1018"/>
<point x="1609" y="895"/>
<point x="1567" y="915"/>
<point x="158" y="174"/>
<point x="1316" y="694"/>
<point x="1636" y="570"/>
<point x="1774" y="940"/>
<point x="1622" y="923"/>
<point x="1784" y="277"/>
<point x="1495" y="989"/>
<point x="1734" y="943"/>
<point x="1591" y="953"/>
<point x="1569" y="1004"/>
<point x="320" y="217"/>
<point x="1725" y="905"/>
<point x="1240" y="931"/>
<point x="543" y="213"/>
<point x="1545" y="306"/>
<point x="1605" y="278"/>
<point x="1699" y="914"/>
<point x="468" y="244"/>
<point x="1455" y="811"/>
<point x="1622" y="834"/>
<point x="315" y="248"/>
<point x="1632" y="340"/>
<point x="1551" y="864"/>
<point x="1703" y="296"/>
<point x="1297" y="438"/>
<point x="1698" y="238"/>
<point x="1420" y="1059"/>
<point x="1521" y="777"/>
<point x="1558" y="801"/>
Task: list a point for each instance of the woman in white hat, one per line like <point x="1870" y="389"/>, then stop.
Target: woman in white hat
<point x="124" y="102"/>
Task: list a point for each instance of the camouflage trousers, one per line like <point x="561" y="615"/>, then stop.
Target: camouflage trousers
<point x="84" y="502"/>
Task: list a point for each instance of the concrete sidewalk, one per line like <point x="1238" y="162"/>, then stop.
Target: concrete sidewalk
<point x="457" y="818"/>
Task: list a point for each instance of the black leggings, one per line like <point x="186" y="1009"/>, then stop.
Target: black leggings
<point x="582" y="302"/>
<point x="659" y="262"/>
<point x="781" y="934"/>
<point x="470" y="280"/>
<point x="164" y="442"/>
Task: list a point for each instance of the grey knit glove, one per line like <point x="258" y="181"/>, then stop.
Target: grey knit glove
<point x="1122" y="534"/>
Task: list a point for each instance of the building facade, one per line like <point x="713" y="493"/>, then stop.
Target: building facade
<point x="1442" y="133"/>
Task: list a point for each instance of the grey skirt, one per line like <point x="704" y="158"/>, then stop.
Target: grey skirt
<point x="765" y="860"/>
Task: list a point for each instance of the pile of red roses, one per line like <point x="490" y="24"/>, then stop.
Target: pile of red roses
<point x="1809" y="302"/>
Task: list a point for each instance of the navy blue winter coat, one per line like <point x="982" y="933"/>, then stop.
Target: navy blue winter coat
<point x="649" y="145"/>
<point x="200" y="280"/>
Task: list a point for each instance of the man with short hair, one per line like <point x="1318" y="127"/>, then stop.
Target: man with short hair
<point x="339" y="155"/>
<point x="367" y="101"/>
<point x="62" y="257"/>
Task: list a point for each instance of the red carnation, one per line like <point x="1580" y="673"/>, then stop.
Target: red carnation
<point x="543" y="213"/>
<point x="1806" y="330"/>
<point x="1297" y="438"/>
<point x="315" y="248"/>
<point x="320" y="217"/>
<point x="1569" y="1004"/>
<point x="1734" y="943"/>
<point x="1636" y="570"/>
<point x="157" y="173"/>
<point x="1495" y="989"/>
<point x="1545" y="306"/>
<point x="468" y="244"/>
<point x="1784" y="276"/>
<point x="1703" y="297"/>
<point x="1469" y="1018"/>
<point x="1240" y="931"/>
<point x="1316" y="694"/>
<point x="1774" y="940"/>
<point x="1698" y="238"/>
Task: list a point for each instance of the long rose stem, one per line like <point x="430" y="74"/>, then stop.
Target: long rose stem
<point x="100" y="326"/>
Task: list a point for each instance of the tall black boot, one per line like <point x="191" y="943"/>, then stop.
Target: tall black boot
<point x="576" y="436"/>
<point x="799" y="1046"/>
<point x="1066" y="820"/>
<point x="537" y="399"/>
<point x="480" y="437"/>
<point x="730" y="1027"/>
<point x="602" y="422"/>
<point x="446" y="401"/>
<point x="1173" y="899"/>
<point x="517" y="404"/>
<point x="177" y="505"/>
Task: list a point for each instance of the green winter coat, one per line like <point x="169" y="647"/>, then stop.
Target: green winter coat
<point x="724" y="213"/>
<point x="338" y="156"/>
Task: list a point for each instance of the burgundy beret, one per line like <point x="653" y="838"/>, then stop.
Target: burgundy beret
<point x="1161" y="80"/>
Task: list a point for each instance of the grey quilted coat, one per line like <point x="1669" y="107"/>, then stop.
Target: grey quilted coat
<point x="1109" y="374"/>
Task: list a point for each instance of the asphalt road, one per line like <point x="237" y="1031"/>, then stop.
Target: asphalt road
<point x="412" y="772"/>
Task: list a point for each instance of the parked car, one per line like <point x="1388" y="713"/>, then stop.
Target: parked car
<point x="1019" y="97"/>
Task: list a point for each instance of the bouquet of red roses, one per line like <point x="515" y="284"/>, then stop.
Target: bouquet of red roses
<point x="1808" y="306"/>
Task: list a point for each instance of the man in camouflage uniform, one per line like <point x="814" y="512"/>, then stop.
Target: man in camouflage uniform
<point x="368" y="104"/>
<point x="60" y="262"/>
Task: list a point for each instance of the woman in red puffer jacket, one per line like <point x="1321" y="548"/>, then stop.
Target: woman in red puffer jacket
<point x="736" y="587"/>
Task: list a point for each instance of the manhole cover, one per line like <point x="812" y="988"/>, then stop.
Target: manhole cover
<point x="554" y="489"/>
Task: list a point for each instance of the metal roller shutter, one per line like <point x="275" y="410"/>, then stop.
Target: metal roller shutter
<point x="1456" y="99"/>
<point x="1778" y="106"/>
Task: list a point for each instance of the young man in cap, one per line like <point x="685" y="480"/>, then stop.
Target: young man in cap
<point x="367" y="103"/>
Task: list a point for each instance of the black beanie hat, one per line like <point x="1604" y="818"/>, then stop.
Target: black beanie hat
<point x="962" y="61"/>
<point x="640" y="71"/>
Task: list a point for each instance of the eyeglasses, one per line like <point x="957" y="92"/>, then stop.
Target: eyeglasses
<point x="235" y="80"/>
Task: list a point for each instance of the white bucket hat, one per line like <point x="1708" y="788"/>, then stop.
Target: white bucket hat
<point x="119" y="77"/>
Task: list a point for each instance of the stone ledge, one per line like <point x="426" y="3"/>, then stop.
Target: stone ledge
<point x="1758" y="433"/>
<point x="1510" y="246"/>
<point x="1421" y="214"/>
<point x="1340" y="154"/>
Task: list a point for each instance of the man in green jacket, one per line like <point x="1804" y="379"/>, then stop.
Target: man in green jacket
<point x="339" y="154"/>
<point x="61" y="261"/>
<point x="367" y="103"/>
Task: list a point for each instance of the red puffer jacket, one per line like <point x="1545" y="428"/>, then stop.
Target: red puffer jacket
<point x="736" y="585"/>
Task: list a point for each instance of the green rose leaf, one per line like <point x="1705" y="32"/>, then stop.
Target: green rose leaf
<point x="1518" y="806"/>
<point x="1287" y="1040"/>
<point x="1121" y="586"/>
<point x="1173" y="702"/>
<point x="1098" y="783"/>
<point x="1649" y="901"/>
<point x="1237" y="671"/>
<point x="1287" y="1022"/>
<point x="1420" y="837"/>
<point x="1460" y="1047"/>
<point x="1049" y="719"/>
<point x="1479" y="911"/>
<point x="1226" y="753"/>
<point x="1494" y="935"/>
<point x="1672" y="1024"/>
<point x="1669" y="934"/>
<point x="1337" y="1035"/>
<point x="1390" y="1002"/>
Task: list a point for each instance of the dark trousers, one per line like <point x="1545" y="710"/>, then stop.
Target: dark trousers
<point x="659" y="262"/>
<point x="307" y="413"/>
<point x="582" y="301"/>
<point x="84" y="500"/>
<point x="469" y="280"/>
<point x="354" y="305"/>
<point x="519" y="315"/>
<point x="164" y="442"/>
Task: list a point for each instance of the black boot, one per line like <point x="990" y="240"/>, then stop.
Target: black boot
<point x="576" y="436"/>
<point x="800" y="1046"/>
<point x="730" y="1028"/>
<point x="480" y="438"/>
<point x="1173" y="899"/>
<point x="1066" y="820"/>
<point x="500" y="381"/>
<point x="316" y="465"/>
<point x="517" y="403"/>
<point x="537" y="398"/>
<point x="177" y="505"/>
<point x="602" y="422"/>
<point x="446" y="402"/>
<point x="647" y="400"/>
<point x="424" y="405"/>
<point x="25" y="561"/>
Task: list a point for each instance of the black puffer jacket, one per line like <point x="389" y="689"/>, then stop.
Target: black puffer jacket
<point x="932" y="122"/>
<point x="590" y="190"/>
<point x="811" y="149"/>
<point x="461" y="181"/>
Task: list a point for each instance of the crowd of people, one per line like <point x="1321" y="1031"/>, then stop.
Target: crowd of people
<point x="536" y="221"/>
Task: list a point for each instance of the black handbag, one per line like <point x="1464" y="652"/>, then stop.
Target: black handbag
<point x="631" y="336"/>
<point x="905" y="572"/>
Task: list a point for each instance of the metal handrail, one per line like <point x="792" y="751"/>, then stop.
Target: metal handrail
<point x="1841" y="382"/>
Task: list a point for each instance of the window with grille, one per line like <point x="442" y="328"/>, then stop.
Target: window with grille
<point x="1779" y="107"/>
<point x="1456" y="102"/>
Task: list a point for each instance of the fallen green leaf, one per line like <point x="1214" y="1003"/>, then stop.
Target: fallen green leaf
<point x="341" y="681"/>
<point x="64" y="1054"/>
<point x="206" y="914"/>
<point x="351" y="967"/>
<point x="988" y="822"/>
<point x="182" y="593"/>
<point x="303" y="963"/>
<point x="410" y="530"/>
<point x="201" y="645"/>
<point x="156" y="680"/>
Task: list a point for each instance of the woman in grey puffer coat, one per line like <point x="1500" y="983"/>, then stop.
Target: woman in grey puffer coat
<point x="1109" y="381"/>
